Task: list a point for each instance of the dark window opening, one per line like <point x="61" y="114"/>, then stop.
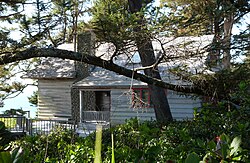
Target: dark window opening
<point x="102" y="100"/>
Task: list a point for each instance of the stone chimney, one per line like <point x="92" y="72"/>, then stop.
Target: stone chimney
<point x="86" y="46"/>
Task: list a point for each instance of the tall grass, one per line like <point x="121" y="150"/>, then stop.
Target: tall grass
<point x="98" y="144"/>
<point x="113" y="149"/>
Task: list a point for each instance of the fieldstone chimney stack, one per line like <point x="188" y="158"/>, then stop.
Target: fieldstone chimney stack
<point x="85" y="45"/>
<point x="86" y="42"/>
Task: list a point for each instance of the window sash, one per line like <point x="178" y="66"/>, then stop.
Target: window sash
<point x="141" y="98"/>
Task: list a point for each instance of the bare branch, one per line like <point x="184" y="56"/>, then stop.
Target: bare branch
<point x="7" y="16"/>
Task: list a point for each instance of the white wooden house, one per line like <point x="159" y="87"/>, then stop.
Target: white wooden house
<point x="117" y="98"/>
<point x="104" y="96"/>
<point x="55" y="77"/>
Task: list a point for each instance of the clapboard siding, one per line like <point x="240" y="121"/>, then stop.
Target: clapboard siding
<point x="54" y="101"/>
<point x="121" y="108"/>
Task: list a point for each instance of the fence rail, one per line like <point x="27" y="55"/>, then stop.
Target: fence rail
<point x="24" y="125"/>
<point x="101" y="116"/>
<point x="15" y="124"/>
<point x="20" y="124"/>
<point x="46" y="126"/>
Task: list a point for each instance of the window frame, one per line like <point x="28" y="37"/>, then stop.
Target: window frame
<point x="142" y="102"/>
<point x="147" y="104"/>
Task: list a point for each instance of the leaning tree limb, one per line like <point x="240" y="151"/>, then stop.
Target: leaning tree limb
<point x="93" y="60"/>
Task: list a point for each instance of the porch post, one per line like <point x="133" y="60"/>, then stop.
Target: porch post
<point x="81" y="104"/>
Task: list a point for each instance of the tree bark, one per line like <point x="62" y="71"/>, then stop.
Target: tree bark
<point x="147" y="56"/>
<point x="228" y="26"/>
<point x="158" y="95"/>
<point x="222" y="36"/>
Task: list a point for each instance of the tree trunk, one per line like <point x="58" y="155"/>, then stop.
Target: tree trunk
<point x="146" y="52"/>
<point x="228" y="25"/>
<point x="159" y="99"/>
<point x="222" y="39"/>
<point x="214" y="55"/>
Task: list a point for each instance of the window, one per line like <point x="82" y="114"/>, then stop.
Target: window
<point x="95" y="100"/>
<point x="95" y="106"/>
<point x="102" y="100"/>
<point x="141" y="98"/>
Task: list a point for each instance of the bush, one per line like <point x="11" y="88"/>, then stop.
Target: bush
<point x="5" y="136"/>
<point x="60" y="146"/>
<point x="178" y="141"/>
<point x="152" y="142"/>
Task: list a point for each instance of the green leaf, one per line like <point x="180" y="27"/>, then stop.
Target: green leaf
<point x="238" y="158"/>
<point x="16" y="156"/>
<point x="192" y="158"/>
<point x="154" y="151"/>
<point x="5" y="157"/>
<point x="242" y="85"/>
<point x="200" y="143"/>
<point x="211" y="145"/>
<point x="224" y="150"/>
<point x="224" y="145"/>
<point x="225" y="138"/>
<point x="235" y="145"/>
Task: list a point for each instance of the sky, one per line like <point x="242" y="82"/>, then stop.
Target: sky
<point x="21" y="102"/>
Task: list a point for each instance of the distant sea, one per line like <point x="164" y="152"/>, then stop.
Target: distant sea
<point x="21" y="102"/>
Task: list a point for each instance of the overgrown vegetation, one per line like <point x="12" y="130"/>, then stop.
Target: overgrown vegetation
<point x="217" y="133"/>
<point x="5" y="136"/>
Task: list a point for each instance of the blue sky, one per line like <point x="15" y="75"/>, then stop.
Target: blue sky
<point x="21" y="101"/>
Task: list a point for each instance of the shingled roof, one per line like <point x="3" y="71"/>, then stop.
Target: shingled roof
<point x="182" y="46"/>
<point x="54" y="68"/>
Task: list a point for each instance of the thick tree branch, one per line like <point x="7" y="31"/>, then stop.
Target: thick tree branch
<point x="64" y="54"/>
<point x="7" y="16"/>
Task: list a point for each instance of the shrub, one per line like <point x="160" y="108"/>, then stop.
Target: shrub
<point x="59" y="146"/>
<point x="152" y="142"/>
<point x="5" y="136"/>
<point x="178" y="141"/>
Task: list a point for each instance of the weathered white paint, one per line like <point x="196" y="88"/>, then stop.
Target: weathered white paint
<point x="54" y="100"/>
<point x="121" y="108"/>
